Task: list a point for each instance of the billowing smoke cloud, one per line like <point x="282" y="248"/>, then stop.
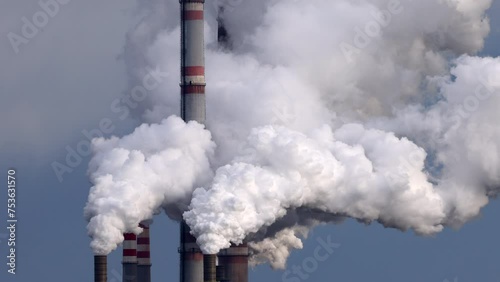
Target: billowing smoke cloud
<point x="273" y="244"/>
<point x="277" y="248"/>
<point x="354" y="172"/>
<point x="374" y="110"/>
<point x="134" y="177"/>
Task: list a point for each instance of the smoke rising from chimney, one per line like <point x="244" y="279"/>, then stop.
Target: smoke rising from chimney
<point x="404" y="133"/>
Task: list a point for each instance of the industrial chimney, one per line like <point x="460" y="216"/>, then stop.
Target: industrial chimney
<point x="143" y="255"/>
<point x="235" y="262"/>
<point x="192" y="61"/>
<point x="192" y="109"/>
<point x="191" y="257"/>
<point x="220" y="274"/>
<point x="100" y="268"/>
<point x="129" y="258"/>
<point x="209" y="268"/>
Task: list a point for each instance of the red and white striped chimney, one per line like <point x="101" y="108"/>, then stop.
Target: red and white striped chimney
<point x="191" y="257"/>
<point x="192" y="61"/>
<point x="143" y="255"/>
<point x="129" y="258"/>
<point x="192" y="109"/>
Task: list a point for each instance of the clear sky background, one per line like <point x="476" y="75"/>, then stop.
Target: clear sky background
<point x="63" y="81"/>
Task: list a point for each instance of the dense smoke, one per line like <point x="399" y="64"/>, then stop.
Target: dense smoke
<point x="323" y="110"/>
<point x="156" y="166"/>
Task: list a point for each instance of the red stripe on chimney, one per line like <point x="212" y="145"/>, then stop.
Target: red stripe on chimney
<point x="193" y="15"/>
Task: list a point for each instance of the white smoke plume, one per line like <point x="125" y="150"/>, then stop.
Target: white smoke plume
<point x="375" y="110"/>
<point x="134" y="177"/>
<point x="353" y="172"/>
<point x="277" y="248"/>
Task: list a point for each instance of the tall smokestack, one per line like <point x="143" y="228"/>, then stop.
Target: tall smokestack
<point x="235" y="262"/>
<point x="143" y="255"/>
<point x="192" y="108"/>
<point x="129" y="258"/>
<point x="191" y="257"/>
<point x="209" y="268"/>
<point x="192" y="61"/>
<point x="100" y="268"/>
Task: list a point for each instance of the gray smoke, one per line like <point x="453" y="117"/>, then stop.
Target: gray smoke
<point x="373" y="110"/>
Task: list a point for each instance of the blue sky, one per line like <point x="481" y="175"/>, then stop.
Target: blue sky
<point x="63" y="81"/>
